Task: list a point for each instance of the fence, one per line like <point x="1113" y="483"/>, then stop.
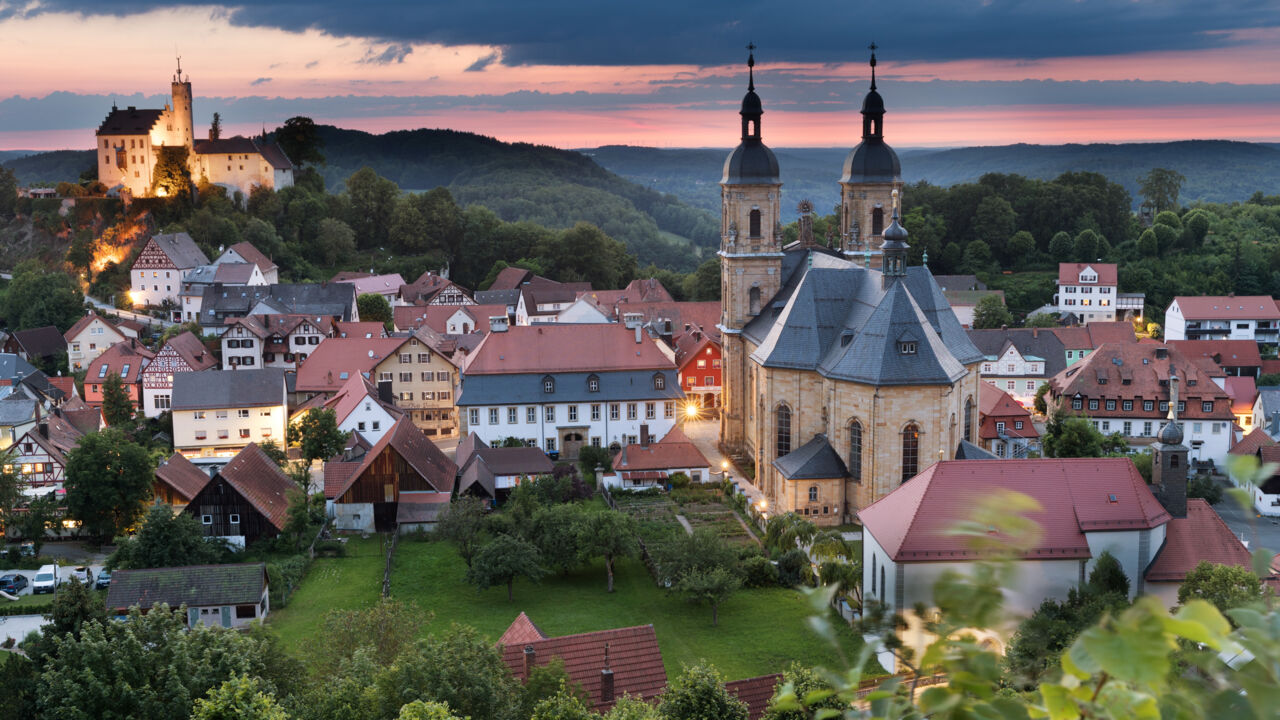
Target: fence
<point x="386" y="573"/>
<point x="866" y="687"/>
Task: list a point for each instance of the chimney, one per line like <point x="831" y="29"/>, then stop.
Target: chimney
<point x="530" y="656"/>
<point x="645" y="437"/>
<point x="1035" y="332"/>
<point x="637" y="334"/>
<point x="43" y="429"/>
<point x="606" y="679"/>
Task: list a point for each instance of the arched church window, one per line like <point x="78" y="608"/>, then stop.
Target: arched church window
<point x="754" y="226"/>
<point x="855" y="451"/>
<point x="910" y="451"/>
<point x="813" y="493"/>
<point x="877" y="221"/>
<point x="753" y="301"/>
<point x="782" y="428"/>
<point x="968" y="419"/>
<point x="1173" y="460"/>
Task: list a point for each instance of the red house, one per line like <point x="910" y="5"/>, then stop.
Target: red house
<point x="698" y="360"/>
<point x="1004" y="426"/>
<point x="125" y="359"/>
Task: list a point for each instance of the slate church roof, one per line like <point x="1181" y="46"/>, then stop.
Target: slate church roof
<point x="814" y="460"/>
<point x="834" y="317"/>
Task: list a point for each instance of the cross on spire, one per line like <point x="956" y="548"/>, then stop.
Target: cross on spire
<point x="751" y="64"/>
<point x="873" y="47"/>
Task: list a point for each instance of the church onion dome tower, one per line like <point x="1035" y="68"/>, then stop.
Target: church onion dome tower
<point x="894" y="259"/>
<point x="751" y="163"/>
<point x="872" y="161"/>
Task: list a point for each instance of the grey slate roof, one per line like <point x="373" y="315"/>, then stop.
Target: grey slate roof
<point x="41" y="342"/>
<point x="181" y="249"/>
<point x="215" y="389"/>
<point x="968" y="451"/>
<point x="815" y="460"/>
<point x="526" y="388"/>
<point x="1269" y="399"/>
<point x="1040" y="342"/>
<point x="16" y="410"/>
<point x="331" y="300"/>
<point x="497" y="297"/>
<point x="192" y="585"/>
<point x="834" y="317"/>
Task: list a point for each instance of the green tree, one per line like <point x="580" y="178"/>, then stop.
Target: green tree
<point x="262" y="234"/>
<point x="463" y="524"/>
<point x="419" y="710"/>
<point x="709" y="587"/>
<point x="1040" y="405"/>
<point x="37" y="297"/>
<point x="1071" y="437"/>
<point x="990" y="313"/>
<point x="703" y="550"/>
<point x="703" y="284"/>
<point x="172" y="176"/>
<point x="40" y="515"/>
<point x="1107" y="576"/>
<point x="75" y="606"/>
<point x="109" y="478"/>
<point x="383" y="631"/>
<point x="151" y="666"/>
<point x="564" y="705"/>
<point x="457" y="667"/>
<point x="554" y="531"/>
<point x="1170" y="218"/>
<point x="610" y="535"/>
<point x="783" y="532"/>
<point x="316" y="435"/>
<point x="373" y="200"/>
<point x="11" y="485"/>
<point x="8" y="192"/>
<point x="238" y="698"/>
<point x="335" y="241"/>
<point x="1205" y="488"/>
<point x="215" y="128"/>
<point x="585" y="252"/>
<point x="117" y="405"/>
<point x="167" y="539"/>
<point x="502" y="560"/>
<point x="977" y="257"/>
<point x="1226" y="587"/>
<point x="994" y="223"/>
<point x="699" y="694"/>
<point x="546" y="681"/>
<point x="1149" y="244"/>
<point x="1041" y="320"/>
<point x="1061" y="247"/>
<point x="1087" y="246"/>
<point x="591" y="457"/>
<point x="1160" y="188"/>
<point x="1195" y="226"/>
<point x="300" y="140"/>
<point x="811" y="688"/>
<point x="373" y="307"/>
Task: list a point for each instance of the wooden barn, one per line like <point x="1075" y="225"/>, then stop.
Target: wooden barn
<point x="177" y="481"/>
<point x="365" y="495"/>
<point x="245" y="501"/>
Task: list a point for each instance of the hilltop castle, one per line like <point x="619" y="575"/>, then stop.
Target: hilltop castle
<point x="128" y="147"/>
<point x="840" y="381"/>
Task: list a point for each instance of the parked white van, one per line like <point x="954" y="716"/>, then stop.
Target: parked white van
<point x="46" y="580"/>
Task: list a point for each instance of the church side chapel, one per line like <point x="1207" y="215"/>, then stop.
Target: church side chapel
<point x="845" y="371"/>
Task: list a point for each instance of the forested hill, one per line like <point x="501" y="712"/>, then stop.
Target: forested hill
<point x="1216" y="170"/>
<point x="551" y="187"/>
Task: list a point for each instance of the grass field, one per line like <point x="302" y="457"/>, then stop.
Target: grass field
<point x="354" y="581"/>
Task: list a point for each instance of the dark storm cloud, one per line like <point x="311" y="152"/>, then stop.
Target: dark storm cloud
<point x="711" y="32"/>
<point x="482" y="63"/>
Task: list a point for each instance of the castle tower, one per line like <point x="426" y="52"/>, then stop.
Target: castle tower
<point x="1169" y="460"/>
<point x="750" y="251"/>
<point x="183" y="131"/>
<point x="872" y="178"/>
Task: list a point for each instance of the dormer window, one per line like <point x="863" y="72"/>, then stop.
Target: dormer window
<point x="847" y="338"/>
<point x="548" y="384"/>
<point x="907" y="347"/>
<point x="659" y="381"/>
<point x="593" y="383"/>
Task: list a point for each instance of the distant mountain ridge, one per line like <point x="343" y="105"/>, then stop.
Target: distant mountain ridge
<point x="1216" y="170"/>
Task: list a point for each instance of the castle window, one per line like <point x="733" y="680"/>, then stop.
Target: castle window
<point x="968" y="419"/>
<point x="753" y="229"/>
<point x="753" y="301"/>
<point x="783" y="430"/>
<point x="910" y="451"/>
<point x="877" y="221"/>
<point x="813" y="493"/>
<point x="855" y="451"/>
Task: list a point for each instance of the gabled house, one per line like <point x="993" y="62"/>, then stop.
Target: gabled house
<point x="697" y="354"/>
<point x="448" y="319"/>
<point x="335" y="361"/>
<point x="1254" y="317"/>
<point x="216" y="413"/>
<point x="403" y="467"/>
<point x="20" y="378"/>
<point x="183" y="353"/>
<point x="125" y="359"/>
<point x="246" y="500"/>
<point x="272" y="341"/>
<point x="18" y="416"/>
<point x="491" y="472"/>
<point x="1004" y="425"/>
<point x="178" y="480"/>
<point x="650" y="464"/>
<point x="244" y="252"/>
<point x="422" y="380"/>
<point x="1243" y="392"/>
<point x="89" y="338"/>
<point x="1019" y="360"/>
<point x="1087" y="291"/>
<point x="40" y="454"/>
<point x="228" y="596"/>
<point x="156" y="275"/>
<point x="358" y="408"/>
<point x="432" y="289"/>
<point x="336" y="301"/>
<point x="1236" y="358"/>
<point x="222" y="274"/>
<point x="388" y="286"/>
<point x="37" y="345"/>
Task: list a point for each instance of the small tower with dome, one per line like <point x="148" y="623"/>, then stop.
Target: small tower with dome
<point x="1169" y="460"/>
<point x="871" y="179"/>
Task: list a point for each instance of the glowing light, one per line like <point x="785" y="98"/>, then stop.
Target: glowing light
<point x="691" y="411"/>
<point x="724" y="465"/>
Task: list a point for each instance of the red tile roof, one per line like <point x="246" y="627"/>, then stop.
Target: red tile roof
<point x="564" y="348"/>
<point x="415" y="449"/>
<point x="996" y="405"/>
<point x="690" y="343"/>
<point x="182" y="475"/>
<point x="83" y="323"/>
<point x="672" y="453"/>
<point x="522" y="631"/>
<point x="325" y="367"/>
<point x="192" y="350"/>
<point x="756" y="692"/>
<point x="1243" y="391"/>
<point x="1120" y="331"/>
<point x="510" y="278"/>
<point x="351" y="394"/>
<point x="633" y="656"/>
<point x="337" y="476"/>
<point x="253" y="255"/>
<point x="1251" y="443"/>
<point x="376" y="284"/>
<point x="130" y="352"/>
<point x="1244" y="307"/>
<point x="1227" y="353"/>
<point x="66" y="384"/>
<point x="1145" y="367"/>
<point x="1069" y="273"/>
<point x="360" y="329"/>
<point x="1201" y="535"/>
<point x="913" y="522"/>
<point x="261" y="482"/>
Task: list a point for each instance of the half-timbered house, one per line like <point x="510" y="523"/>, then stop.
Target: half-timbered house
<point x="183" y="353"/>
<point x="244" y="501"/>
<point x="156" y="275"/>
<point x="40" y="454"/>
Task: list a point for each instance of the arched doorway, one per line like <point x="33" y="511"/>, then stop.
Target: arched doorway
<point x="570" y="444"/>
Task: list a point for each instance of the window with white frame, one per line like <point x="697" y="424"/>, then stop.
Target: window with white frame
<point x="493" y="416"/>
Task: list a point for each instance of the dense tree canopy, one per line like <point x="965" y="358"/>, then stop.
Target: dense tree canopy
<point x="108" y="480"/>
<point x="37" y="298"/>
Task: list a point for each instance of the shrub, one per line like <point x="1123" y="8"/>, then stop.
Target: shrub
<point x="1203" y="486"/>
<point x="759" y="572"/>
<point x="679" y="480"/>
<point x="794" y="568"/>
<point x="284" y="577"/>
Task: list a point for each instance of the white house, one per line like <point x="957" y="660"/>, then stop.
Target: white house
<point x="89" y="338"/>
<point x="583" y="310"/>
<point x="1253" y="317"/>
<point x="217" y="413"/>
<point x="156" y="276"/>
<point x="560" y="387"/>
<point x="244" y="252"/>
<point x="357" y="408"/>
<point x="1087" y="290"/>
<point x="272" y="341"/>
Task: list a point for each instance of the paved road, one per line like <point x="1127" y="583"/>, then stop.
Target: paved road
<point x="1255" y="530"/>
<point x="705" y="434"/>
<point x="105" y="308"/>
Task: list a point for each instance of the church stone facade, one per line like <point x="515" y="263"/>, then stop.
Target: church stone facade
<point x="841" y="380"/>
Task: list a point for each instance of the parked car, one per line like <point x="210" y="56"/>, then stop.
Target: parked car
<point x="81" y="574"/>
<point x="27" y="549"/>
<point x="13" y="583"/>
<point x="47" y="578"/>
<point x="103" y="581"/>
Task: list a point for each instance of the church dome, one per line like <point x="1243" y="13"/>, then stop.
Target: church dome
<point x="895" y="233"/>
<point x="751" y="163"/>
<point x="873" y="103"/>
<point x="1170" y="434"/>
<point x="871" y="161"/>
<point x="751" y="104"/>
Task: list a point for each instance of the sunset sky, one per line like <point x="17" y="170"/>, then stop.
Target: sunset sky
<point x="671" y="74"/>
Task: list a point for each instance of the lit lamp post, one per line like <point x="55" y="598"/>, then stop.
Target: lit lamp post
<point x="690" y="411"/>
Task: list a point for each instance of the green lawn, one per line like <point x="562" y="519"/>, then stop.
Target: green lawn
<point x="349" y="582"/>
<point x="760" y="631"/>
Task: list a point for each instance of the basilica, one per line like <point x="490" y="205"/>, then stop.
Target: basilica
<point x="845" y="371"/>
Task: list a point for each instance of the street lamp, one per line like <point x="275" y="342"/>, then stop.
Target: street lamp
<point x="691" y="411"/>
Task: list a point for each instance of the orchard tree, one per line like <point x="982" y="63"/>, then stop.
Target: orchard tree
<point x="317" y="435"/>
<point x="699" y="694"/>
<point x="108" y="481"/>
<point x="710" y="586"/>
<point x="1225" y="586"/>
<point x="502" y="560"/>
<point x="554" y="531"/>
<point x="463" y="524"/>
<point x="610" y="535"/>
